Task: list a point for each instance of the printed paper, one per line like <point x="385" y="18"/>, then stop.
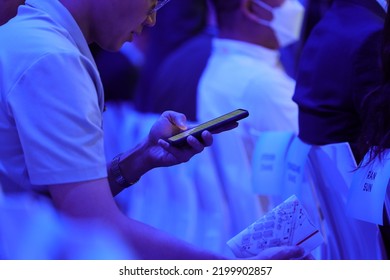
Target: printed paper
<point x="286" y="224"/>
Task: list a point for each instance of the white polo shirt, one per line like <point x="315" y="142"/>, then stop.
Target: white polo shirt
<point x="51" y="101"/>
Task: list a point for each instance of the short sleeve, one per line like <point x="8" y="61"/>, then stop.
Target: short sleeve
<point x="56" y="110"/>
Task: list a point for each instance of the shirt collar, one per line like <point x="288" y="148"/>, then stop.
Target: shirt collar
<point x="63" y="17"/>
<point x="383" y="3"/>
<point x="239" y="47"/>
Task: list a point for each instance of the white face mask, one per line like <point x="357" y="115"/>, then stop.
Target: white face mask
<point x="287" y="20"/>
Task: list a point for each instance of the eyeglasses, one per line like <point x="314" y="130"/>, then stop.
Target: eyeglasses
<point x="159" y="5"/>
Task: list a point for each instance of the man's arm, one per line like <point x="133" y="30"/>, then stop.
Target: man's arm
<point x="93" y="200"/>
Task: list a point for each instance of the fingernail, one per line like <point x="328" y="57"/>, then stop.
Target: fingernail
<point x="182" y="126"/>
<point x="163" y="143"/>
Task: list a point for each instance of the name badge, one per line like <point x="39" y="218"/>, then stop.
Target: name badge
<point x="368" y="190"/>
<point x="268" y="162"/>
<point x="296" y="159"/>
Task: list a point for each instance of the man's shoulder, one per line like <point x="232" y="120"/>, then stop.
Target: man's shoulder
<point x="34" y="31"/>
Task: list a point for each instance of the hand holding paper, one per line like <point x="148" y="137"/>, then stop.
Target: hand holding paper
<point x="287" y="224"/>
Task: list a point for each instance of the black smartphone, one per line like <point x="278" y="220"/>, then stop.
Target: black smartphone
<point x="212" y="125"/>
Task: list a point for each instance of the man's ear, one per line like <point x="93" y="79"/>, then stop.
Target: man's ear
<point x="248" y="10"/>
<point x="254" y="11"/>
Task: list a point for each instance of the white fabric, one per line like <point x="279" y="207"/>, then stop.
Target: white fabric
<point x="268" y="162"/>
<point x="123" y="127"/>
<point x="52" y="82"/>
<point x="33" y="230"/>
<point x="244" y="75"/>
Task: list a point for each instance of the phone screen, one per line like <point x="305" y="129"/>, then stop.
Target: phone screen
<point x="211" y="125"/>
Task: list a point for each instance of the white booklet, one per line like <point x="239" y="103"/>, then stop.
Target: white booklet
<point x="286" y="224"/>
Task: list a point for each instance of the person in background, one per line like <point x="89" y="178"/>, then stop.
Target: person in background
<point x="314" y="11"/>
<point x="244" y="71"/>
<point x="51" y="136"/>
<point x="338" y="67"/>
<point x="190" y="19"/>
<point x="176" y="83"/>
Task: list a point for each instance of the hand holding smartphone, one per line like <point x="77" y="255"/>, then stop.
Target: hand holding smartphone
<point x="226" y="121"/>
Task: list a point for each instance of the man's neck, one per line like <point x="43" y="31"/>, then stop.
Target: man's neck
<point x="78" y="10"/>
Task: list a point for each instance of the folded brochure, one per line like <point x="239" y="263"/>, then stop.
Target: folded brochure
<point x="286" y="224"/>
